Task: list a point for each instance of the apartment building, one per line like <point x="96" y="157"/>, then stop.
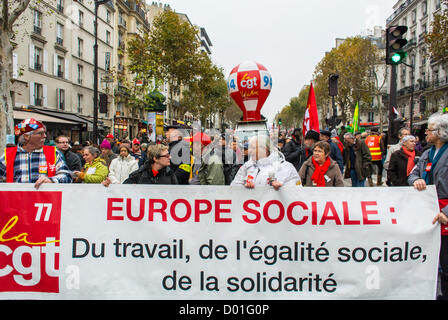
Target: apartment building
<point x="424" y="80"/>
<point x="54" y="62"/>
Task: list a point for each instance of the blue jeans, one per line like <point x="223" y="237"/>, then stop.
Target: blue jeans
<point x="355" y="181"/>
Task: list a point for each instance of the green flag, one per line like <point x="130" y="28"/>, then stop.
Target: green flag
<point x="356" y="119"/>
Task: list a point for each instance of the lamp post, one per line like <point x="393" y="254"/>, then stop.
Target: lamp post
<point x="95" y="72"/>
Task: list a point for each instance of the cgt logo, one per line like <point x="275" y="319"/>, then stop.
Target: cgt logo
<point x="29" y="241"/>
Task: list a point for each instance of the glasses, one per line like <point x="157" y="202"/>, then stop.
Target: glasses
<point x="41" y="133"/>
<point x="165" y="156"/>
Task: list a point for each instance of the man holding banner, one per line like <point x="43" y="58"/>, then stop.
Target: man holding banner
<point x="432" y="169"/>
<point x="31" y="161"/>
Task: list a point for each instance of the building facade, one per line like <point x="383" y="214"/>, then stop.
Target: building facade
<point x="53" y="65"/>
<point x="423" y="85"/>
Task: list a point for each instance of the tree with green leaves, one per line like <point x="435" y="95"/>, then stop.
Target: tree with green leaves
<point x="207" y="95"/>
<point x="437" y="39"/>
<point x="293" y="113"/>
<point x="173" y="49"/>
<point x="353" y="61"/>
<point x="11" y="10"/>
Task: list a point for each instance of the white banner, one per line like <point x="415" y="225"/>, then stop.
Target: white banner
<point x="223" y="243"/>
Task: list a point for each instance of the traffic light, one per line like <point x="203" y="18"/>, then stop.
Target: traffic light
<point x="279" y="121"/>
<point x="333" y="85"/>
<point x="395" y="44"/>
<point x="445" y="110"/>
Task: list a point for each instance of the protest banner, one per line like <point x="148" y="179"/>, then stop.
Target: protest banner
<point x="215" y="243"/>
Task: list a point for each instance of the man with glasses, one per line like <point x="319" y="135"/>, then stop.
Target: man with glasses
<point x="71" y="159"/>
<point x="31" y="161"/>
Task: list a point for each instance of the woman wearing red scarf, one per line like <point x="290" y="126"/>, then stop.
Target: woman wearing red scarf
<point x="320" y="170"/>
<point x="402" y="162"/>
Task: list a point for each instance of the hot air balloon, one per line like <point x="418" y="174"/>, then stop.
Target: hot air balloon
<point x="249" y="86"/>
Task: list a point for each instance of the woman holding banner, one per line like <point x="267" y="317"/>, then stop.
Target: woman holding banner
<point x="266" y="167"/>
<point x="432" y="169"/>
<point x="95" y="170"/>
<point x="320" y="170"/>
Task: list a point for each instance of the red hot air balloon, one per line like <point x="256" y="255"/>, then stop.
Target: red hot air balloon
<point x="249" y="85"/>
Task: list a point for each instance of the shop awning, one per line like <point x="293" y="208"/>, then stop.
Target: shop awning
<point x="20" y="115"/>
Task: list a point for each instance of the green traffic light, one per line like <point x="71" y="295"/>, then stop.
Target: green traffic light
<point x="396" y="58"/>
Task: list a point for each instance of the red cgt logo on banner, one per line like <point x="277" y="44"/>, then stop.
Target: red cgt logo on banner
<point x="30" y="224"/>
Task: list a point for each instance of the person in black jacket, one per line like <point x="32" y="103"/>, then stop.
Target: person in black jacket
<point x="179" y="150"/>
<point x="72" y="160"/>
<point x="294" y="151"/>
<point x="156" y="170"/>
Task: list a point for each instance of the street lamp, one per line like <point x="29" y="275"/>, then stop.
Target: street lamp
<point x="95" y="72"/>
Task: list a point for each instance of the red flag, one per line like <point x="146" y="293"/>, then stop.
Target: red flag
<point x="311" y="119"/>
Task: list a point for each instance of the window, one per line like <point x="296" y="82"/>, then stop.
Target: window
<point x="38" y="59"/>
<point x="59" y="34"/>
<point x="107" y="37"/>
<point x="425" y="8"/>
<point x="79" y="102"/>
<point x="80" y="47"/>
<point x="80" y="18"/>
<point x="60" y="97"/>
<point x="80" y="73"/>
<point x="60" y="66"/>
<point x="37" y="17"/>
<point x="437" y="4"/>
<point x="60" y="6"/>
<point x="108" y="16"/>
<point x="414" y="16"/>
<point x="38" y="94"/>
<point x="107" y="61"/>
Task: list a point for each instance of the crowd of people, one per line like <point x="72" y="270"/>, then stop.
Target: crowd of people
<point x="318" y="159"/>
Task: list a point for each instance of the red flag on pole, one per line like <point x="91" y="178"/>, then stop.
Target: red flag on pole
<point x="311" y="118"/>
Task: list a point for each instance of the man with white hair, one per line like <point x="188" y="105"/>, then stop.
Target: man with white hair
<point x="432" y="169"/>
<point x="31" y="161"/>
<point x="266" y="167"/>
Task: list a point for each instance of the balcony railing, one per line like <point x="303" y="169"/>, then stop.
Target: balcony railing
<point x="59" y="41"/>
<point x="37" y="66"/>
<point x="38" y="102"/>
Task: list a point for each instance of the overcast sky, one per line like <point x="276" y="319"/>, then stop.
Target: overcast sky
<point x="288" y="37"/>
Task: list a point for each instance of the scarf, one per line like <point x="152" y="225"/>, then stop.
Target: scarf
<point x="433" y="160"/>
<point x="319" y="172"/>
<point x="411" y="157"/>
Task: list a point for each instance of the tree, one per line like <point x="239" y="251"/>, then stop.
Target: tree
<point x="173" y="46"/>
<point x="292" y="114"/>
<point x="353" y="61"/>
<point x="10" y="12"/>
<point x="207" y="93"/>
<point x="437" y="39"/>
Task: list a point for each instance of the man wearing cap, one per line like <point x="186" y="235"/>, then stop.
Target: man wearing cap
<point x="207" y="167"/>
<point x="179" y="150"/>
<point x="335" y="152"/>
<point x="31" y="161"/>
<point x="135" y="150"/>
<point x="113" y="143"/>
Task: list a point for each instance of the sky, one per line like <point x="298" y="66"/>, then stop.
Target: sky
<point x="288" y="37"/>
